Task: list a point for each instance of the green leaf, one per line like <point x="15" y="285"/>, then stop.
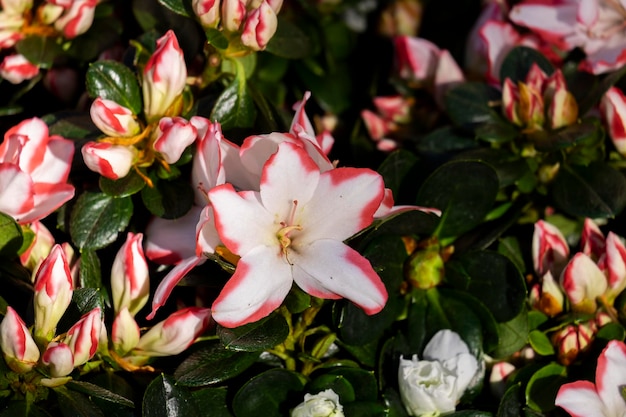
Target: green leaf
<point x="213" y="401"/>
<point x="19" y="408"/>
<point x="90" y="273"/>
<point x="168" y="199"/>
<point x="468" y="105"/>
<point x="464" y="191"/>
<point x="596" y="190"/>
<point x="611" y="331"/>
<point x="363" y="382"/>
<point x="493" y="279"/>
<point x="395" y="169"/>
<point x="511" y="404"/>
<point x="177" y="6"/>
<point x="513" y="336"/>
<point x="74" y="404"/>
<point x="275" y="392"/>
<point x="216" y="38"/>
<point x="97" y="218"/>
<point x="83" y="301"/>
<point x="114" y="81"/>
<point x="255" y="337"/>
<point x="165" y="398"/>
<point x="331" y="88"/>
<point x="395" y="407"/>
<point x="595" y="94"/>
<point x="93" y="390"/>
<point x="123" y="187"/>
<point x="586" y="132"/>
<point x="509" y="246"/>
<point x="289" y="41"/>
<point x="297" y="300"/>
<point x="497" y="132"/>
<point x="40" y="50"/>
<point x="540" y="343"/>
<point x="518" y="62"/>
<point x="235" y="107"/>
<point x="11" y="237"/>
<point x="445" y="140"/>
<point x="543" y="386"/>
<point x="212" y="364"/>
<point x="337" y="383"/>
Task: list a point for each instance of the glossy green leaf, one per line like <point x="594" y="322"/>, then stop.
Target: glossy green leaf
<point x="255" y="337"/>
<point x="123" y="187"/>
<point x="177" y="6"/>
<point x="445" y="140"/>
<point x="93" y="390"/>
<point x="97" y="218"/>
<point x="11" y="237"/>
<point x="90" y="272"/>
<point x="340" y="385"/>
<point x="212" y="364"/>
<point x="297" y="300"/>
<point x="468" y="105"/>
<point x="275" y="392"/>
<point x="543" y="386"/>
<point x="235" y="107"/>
<point x="497" y="132"/>
<point x="168" y="199"/>
<point x="114" y="81"/>
<point x="83" y="301"/>
<point x="540" y="343"/>
<point x="598" y="90"/>
<point x="464" y="191"/>
<point x="518" y="62"/>
<point x="164" y="397"/>
<point x="513" y="336"/>
<point x="492" y="278"/>
<point x="577" y="134"/>
<point x="363" y="382"/>
<point x="596" y="190"/>
<point x="289" y="41"/>
<point x="331" y="89"/>
<point x="216" y="38"/>
<point x="19" y="408"/>
<point x="75" y="404"/>
<point x="611" y="331"/>
<point x="509" y="246"/>
<point x="213" y="401"/>
<point x="395" y="407"/>
<point x="395" y="169"/>
<point x="40" y="50"/>
<point x="511" y="402"/>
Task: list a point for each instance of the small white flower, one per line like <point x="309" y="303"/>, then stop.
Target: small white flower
<point x="323" y="404"/>
<point x="434" y="385"/>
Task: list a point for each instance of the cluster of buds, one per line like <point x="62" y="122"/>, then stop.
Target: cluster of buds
<point x="130" y="288"/>
<point x="576" y="338"/>
<point x="252" y="22"/>
<point x="391" y="113"/>
<point x="135" y="142"/>
<point x="595" y="275"/>
<point x="54" y="355"/>
<point x="52" y="18"/>
<point x="540" y="102"/>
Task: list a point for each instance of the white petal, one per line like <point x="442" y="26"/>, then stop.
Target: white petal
<point x="445" y="344"/>
<point x="611" y="378"/>
<point x="580" y="399"/>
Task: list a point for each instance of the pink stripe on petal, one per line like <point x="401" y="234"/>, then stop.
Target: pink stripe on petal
<point x="611" y="377"/>
<point x="580" y="399"/>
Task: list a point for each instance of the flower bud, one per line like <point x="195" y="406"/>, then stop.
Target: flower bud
<point x="583" y="283"/>
<point x="616" y="265"/>
<point x="550" y="250"/>
<point x="53" y="293"/>
<point x="125" y="333"/>
<point x="376" y="126"/>
<point x="233" y="13"/>
<point x="562" y="108"/>
<point x="510" y="102"/>
<point x="592" y="240"/>
<point x="59" y="359"/>
<point x="174" y="334"/>
<point x="530" y="108"/>
<point x="497" y="379"/>
<point x="613" y="108"/>
<point x="39" y="248"/>
<point x="16" y="68"/>
<point x="572" y="340"/>
<point x="77" y="19"/>
<point x="208" y="11"/>
<point x="175" y="134"/>
<point x="395" y="108"/>
<point x="323" y="404"/>
<point x="550" y="300"/>
<point x="18" y="347"/>
<point x="130" y="281"/>
<point x="112" y="119"/>
<point x="259" y="27"/>
<point x="424" y="269"/>
<point x="83" y="337"/>
<point x="164" y="77"/>
<point x="110" y="161"/>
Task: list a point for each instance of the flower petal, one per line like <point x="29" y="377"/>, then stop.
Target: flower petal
<point x="258" y="286"/>
<point x="331" y="267"/>
<point x="611" y="378"/>
<point x="580" y="399"/>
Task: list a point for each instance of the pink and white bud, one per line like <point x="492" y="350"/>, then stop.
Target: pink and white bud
<point x="233" y="13"/>
<point x="395" y="108"/>
<point x="592" y="240"/>
<point x="130" y="280"/>
<point x="53" y="293"/>
<point x="259" y="27"/>
<point x="84" y="336"/>
<point x="562" y="108"/>
<point x="208" y="11"/>
<point x="18" y="347"/>
<point x="164" y="77"/>
<point x="112" y="119"/>
<point x="613" y="108"/>
<point x="77" y="19"/>
<point x="110" y="161"/>
<point x="510" y="102"/>
<point x="59" y="359"/>
<point x="550" y="250"/>
<point x="416" y="58"/>
<point x="125" y="334"/>
<point x="548" y="297"/>
<point x="49" y="13"/>
<point x="175" y="134"/>
<point x="615" y="265"/>
<point x="572" y="340"/>
<point x="39" y="248"/>
<point x="376" y="126"/>
<point x="583" y="283"/>
<point x="16" y="68"/>
<point x="174" y="334"/>
<point x="535" y="78"/>
<point x="207" y="170"/>
<point x="530" y="107"/>
<point x="498" y="377"/>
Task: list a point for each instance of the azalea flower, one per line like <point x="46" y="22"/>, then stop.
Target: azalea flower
<point x="293" y="230"/>
<point x="605" y="397"/>
<point x="323" y="404"/>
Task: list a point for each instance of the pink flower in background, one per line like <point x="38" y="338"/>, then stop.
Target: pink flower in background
<point x="293" y="230"/>
<point x="605" y="397"/>
<point x="34" y="169"/>
<point x="16" y="68"/>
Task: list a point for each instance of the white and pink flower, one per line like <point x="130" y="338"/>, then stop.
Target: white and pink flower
<point x="16" y="68"/>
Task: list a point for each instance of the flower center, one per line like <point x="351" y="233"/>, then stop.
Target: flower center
<point x="612" y="20"/>
<point x="283" y="234"/>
